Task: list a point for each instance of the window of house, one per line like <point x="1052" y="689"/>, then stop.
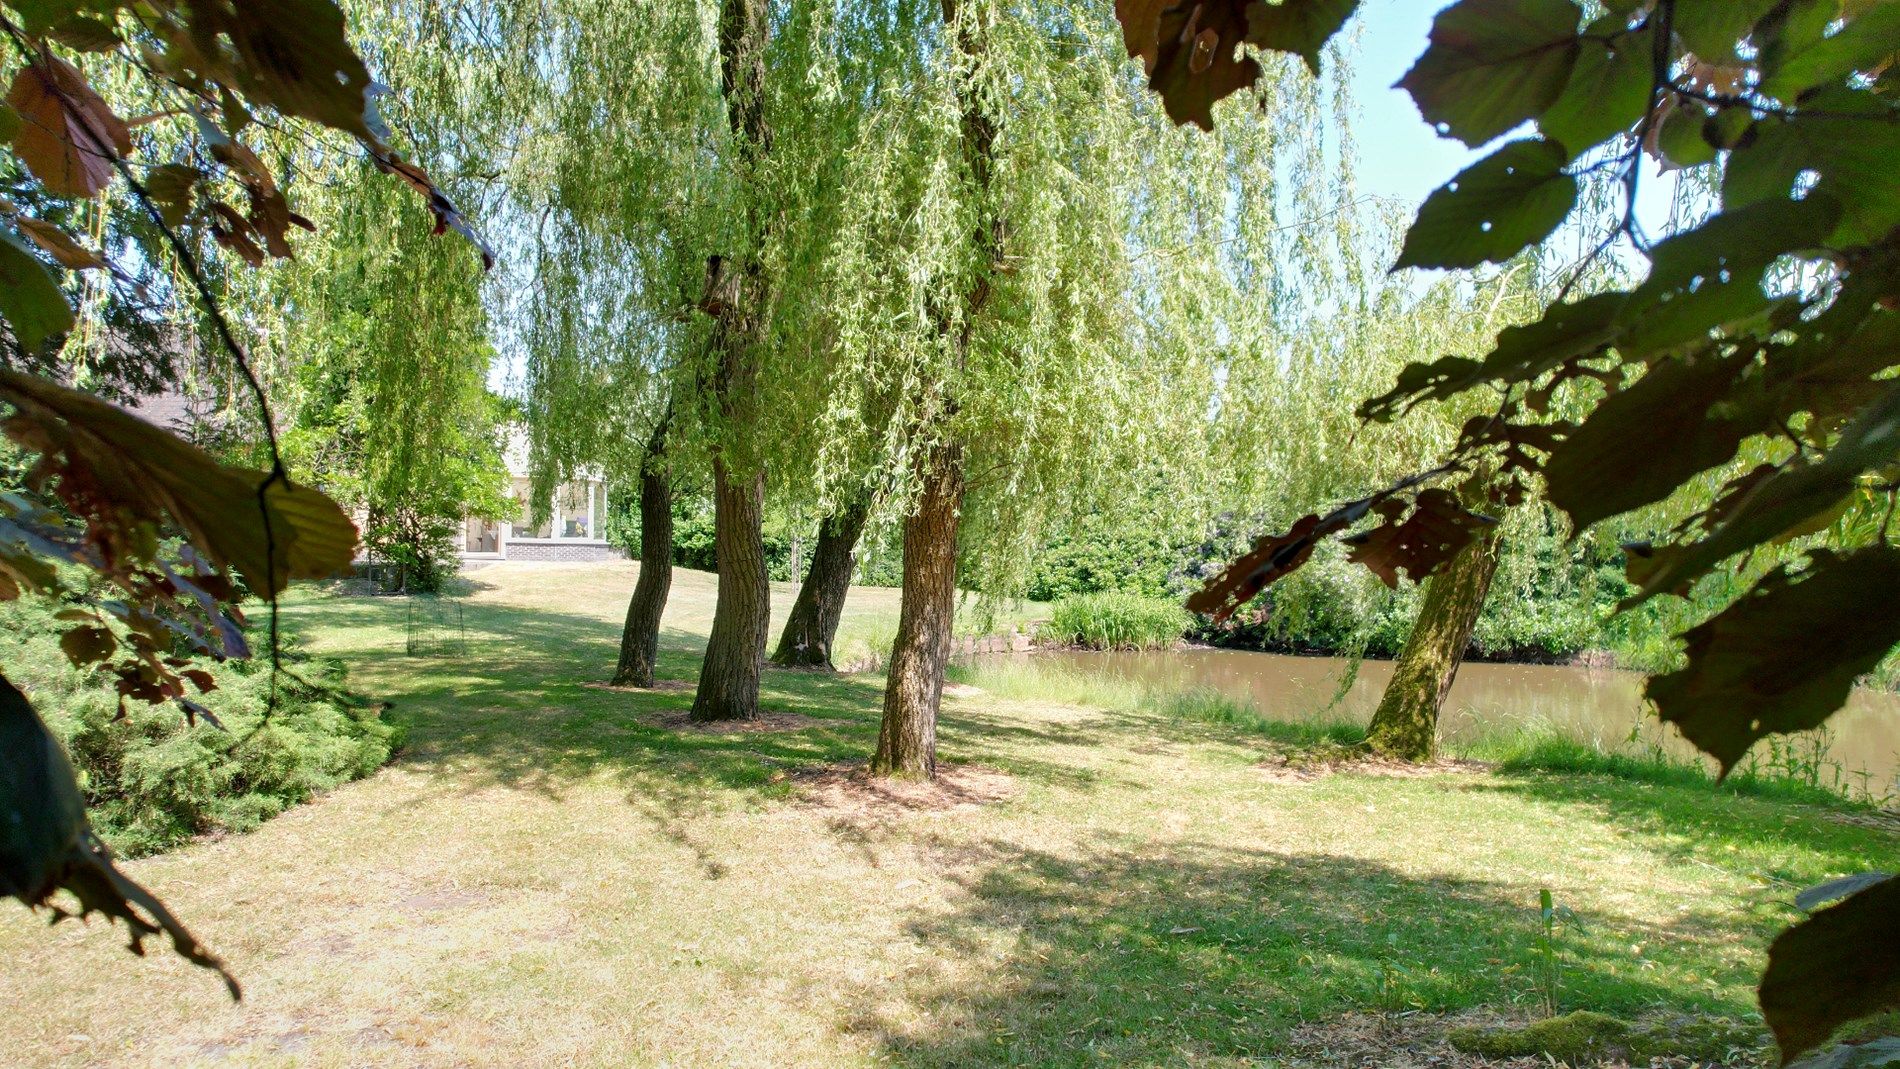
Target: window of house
<point x="524" y="524"/>
<point x="573" y="498"/>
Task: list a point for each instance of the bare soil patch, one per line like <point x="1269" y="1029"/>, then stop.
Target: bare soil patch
<point x="1885" y="819"/>
<point x="659" y="686"/>
<point x="1311" y="765"/>
<point x="768" y="720"/>
<point x="433" y="901"/>
<point x="852" y="790"/>
<point x="1394" y="1041"/>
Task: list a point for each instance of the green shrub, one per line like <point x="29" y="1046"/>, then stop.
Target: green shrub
<point x="152" y="780"/>
<point x="1118" y="622"/>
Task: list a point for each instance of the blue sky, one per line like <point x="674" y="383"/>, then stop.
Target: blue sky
<point x="1399" y="153"/>
<point x="1400" y="156"/>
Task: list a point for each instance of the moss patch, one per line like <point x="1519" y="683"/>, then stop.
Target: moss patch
<point x="1586" y="1037"/>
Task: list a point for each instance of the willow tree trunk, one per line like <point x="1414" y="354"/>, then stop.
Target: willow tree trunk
<point x="640" y="638"/>
<point x="913" y="692"/>
<point x="735" y="651"/>
<point x="907" y="737"/>
<point x="813" y="626"/>
<point x="1406" y="724"/>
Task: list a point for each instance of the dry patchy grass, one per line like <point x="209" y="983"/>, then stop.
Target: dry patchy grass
<point x="554" y="874"/>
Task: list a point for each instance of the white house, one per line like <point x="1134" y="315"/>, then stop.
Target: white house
<point x="572" y="531"/>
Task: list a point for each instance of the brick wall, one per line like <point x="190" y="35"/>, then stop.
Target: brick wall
<point x="564" y="552"/>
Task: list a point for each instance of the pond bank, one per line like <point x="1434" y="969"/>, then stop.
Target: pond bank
<point x="1495" y="710"/>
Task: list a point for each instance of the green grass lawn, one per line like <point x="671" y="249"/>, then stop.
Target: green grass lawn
<point x="551" y="874"/>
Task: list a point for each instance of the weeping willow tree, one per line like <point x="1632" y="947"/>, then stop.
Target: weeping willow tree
<point x="982" y="310"/>
<point x="1405" y="724"/>
<point x="392" y="410"/>
<point x="620" y="195"/>
<point x="650" y="206"/>
<point x="844" y="63"/>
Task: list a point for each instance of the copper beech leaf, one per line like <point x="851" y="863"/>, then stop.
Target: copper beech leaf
<point x="120" y="472"/>
<point x="447" y="215"/>
<point x="1493" y="64"/>
<point x="1642" y="442"/>
<point x="1852" y="153"/>
<point x="1711" y="30"/>
<point x="1781" y="501"/>
<point x="1801" y="62"/>
<point x="1838" y="966"/>
<point x="1301" y="27"/>
<point x="1608" y="92"/>
<point x="87" y="645"/>
<point x="293" y="55"/>
<point x="68" y="136"/>
<point x="1190" y="51"/>
<point x="1492" y="210"/>
<point x="1677" y="137"/>
<point x="59" y="244"/>
<point x="1753" y="670"/>
<point x="1710" y="278"/>
<point x="1521" y="353"/>
<point x="86" y="34"/>
<point x="1271" y="557"/>
<point x="170" y="186"/>
<point x="1438" y="529"/>
<point x="1274" y="556"/>
<point x="30" y="299"/>
<point x="46" y="844"/>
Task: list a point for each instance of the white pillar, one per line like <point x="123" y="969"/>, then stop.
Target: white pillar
<point x="592" y="531"/>
<point x="554" y="524"/>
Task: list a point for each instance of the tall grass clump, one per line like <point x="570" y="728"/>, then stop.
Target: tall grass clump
<point x="1211" y="707"/>
<point x="1111" y="621"/>
<point x="152" y="780"/>
<point x="1546" y="749"/>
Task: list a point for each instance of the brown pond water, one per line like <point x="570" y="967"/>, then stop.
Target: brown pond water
<point x="1859" y="750"/>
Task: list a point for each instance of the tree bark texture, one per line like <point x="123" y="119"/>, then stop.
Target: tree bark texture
<point x="735" y="652"/>
<point x="640" y="638"/>
<point x="810" y="631"/>
<point x="907" y="738"/>
<point x="1406" y="724"/>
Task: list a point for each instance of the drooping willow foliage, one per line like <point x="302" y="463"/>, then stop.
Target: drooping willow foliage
<point x="1100" y="349"/>
<point x="1121" y="315"/>
<point x="1198" y="311"/>
<point x="616" y="200"/>
<point x="379" y="337"/>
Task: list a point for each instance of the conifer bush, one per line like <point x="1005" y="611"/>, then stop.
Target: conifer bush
<point x="153" y="780"/>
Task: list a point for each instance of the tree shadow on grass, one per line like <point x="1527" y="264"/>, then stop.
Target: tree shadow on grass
<point x="1210" y="955"/>
<point x="1772" y="842"/>
<point x="521" y="707"/>
<point x="512" y="705"/>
